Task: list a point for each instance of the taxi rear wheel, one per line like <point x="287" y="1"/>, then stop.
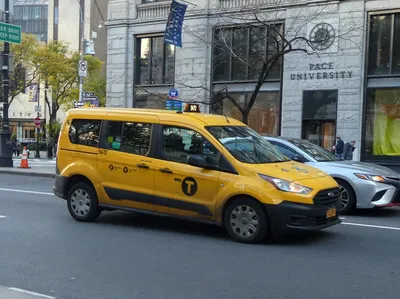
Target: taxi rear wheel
<point x="82" y="203"/>
<point x="246" y="221"/>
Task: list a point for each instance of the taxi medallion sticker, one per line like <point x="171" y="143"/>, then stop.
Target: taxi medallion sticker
<point x="189" y="186"/>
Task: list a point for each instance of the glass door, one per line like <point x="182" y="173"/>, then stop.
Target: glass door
<point x="320" y="132"/>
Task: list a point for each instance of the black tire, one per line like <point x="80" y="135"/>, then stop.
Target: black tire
<point x="236" y="233"/>
<point x="345" y="188"/>
<point x="77" y="207"/>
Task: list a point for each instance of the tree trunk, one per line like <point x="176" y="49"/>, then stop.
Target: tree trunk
<point x="245" y="116"/>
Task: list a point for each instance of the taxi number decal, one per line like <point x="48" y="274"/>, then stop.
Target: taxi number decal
<point x="102" y="151"/>
<point x="189" y="186"/>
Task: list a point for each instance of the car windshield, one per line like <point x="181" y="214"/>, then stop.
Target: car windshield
<point x="318" y="153"/>
<point x="246" y="145"/>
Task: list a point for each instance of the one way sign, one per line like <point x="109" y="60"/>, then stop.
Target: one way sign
<point x="82" y="68"/>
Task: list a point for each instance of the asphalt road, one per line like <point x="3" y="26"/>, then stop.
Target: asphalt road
<point x="123" y="255"/>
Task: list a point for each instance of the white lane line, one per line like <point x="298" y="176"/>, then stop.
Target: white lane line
<point x="31" y="293"/>
<point x="370" y="225"/>
<point x="26" y="191"/>
<point x="2" y="216"/>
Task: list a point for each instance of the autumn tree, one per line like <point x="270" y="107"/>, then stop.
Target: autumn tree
<point x="25" y="64"/>
<point x="60" y="72"/>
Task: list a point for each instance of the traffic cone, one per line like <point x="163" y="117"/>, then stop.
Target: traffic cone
<point x="24" y="160"/>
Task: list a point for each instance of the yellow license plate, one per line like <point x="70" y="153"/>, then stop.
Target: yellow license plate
<point x="330" y="213"/>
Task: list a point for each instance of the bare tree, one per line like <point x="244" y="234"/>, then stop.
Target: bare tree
<point x="272" y="39"/>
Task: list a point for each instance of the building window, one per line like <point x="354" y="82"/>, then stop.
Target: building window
<point x="384" y="45"/>
<point x="319" y="117"/>
<point x="128" y="137"/>
<point x="382" y="127"/>
<point x="85" y="132"/>
<point x="264" y="116"/>
<point x="156" y="61"/>
<point x="151" y="101"/>
<point x="239" y="53"/>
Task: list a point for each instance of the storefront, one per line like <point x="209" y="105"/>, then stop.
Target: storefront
<point x="348" y="84"/>
<point x="381" y="129"/>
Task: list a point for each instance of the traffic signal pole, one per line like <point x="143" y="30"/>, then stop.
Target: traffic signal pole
<point x="5" y="133"/>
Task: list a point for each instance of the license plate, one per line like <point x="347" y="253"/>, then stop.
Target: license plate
<point x="330" y="213"/>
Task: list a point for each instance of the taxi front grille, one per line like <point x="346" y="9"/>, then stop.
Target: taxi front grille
<point x="327" y="197"/>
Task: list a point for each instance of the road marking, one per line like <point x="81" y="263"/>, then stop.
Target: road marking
<point x="2" y="216"/>
<point x="26" y="191"/>
<point x="370" y="225"/>
<point x="31" y="293"/>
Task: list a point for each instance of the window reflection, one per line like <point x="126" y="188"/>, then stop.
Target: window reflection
<point x="264" y="115"/>
<point x="249" y="47"/>
<point x="396" y="45"/>
<point x="380" y="39"/>
<point x="157" y="61"/>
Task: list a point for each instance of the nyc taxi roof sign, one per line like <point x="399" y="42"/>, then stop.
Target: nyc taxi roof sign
<point x="192" y="108"/>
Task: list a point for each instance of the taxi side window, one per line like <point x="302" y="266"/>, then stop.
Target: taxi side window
<point x="179" y="143"/>
<point x="85" y="132"/>
<point x="129" y="137"/>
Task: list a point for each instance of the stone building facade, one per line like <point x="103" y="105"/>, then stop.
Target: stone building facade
<point x="347" y="84"/>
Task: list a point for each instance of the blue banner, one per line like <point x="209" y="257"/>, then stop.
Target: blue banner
<point x="173" y="31"/>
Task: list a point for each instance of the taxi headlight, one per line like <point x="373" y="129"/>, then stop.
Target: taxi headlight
<point x="286" y="186"/>
<point x="368" y="177"/>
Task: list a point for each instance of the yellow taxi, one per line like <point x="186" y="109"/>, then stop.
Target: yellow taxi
<point x="204" y="167"/>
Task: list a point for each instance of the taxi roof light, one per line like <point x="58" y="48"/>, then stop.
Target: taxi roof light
<point x="192" y="108"/>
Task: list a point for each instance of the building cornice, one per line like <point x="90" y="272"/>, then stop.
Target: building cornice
<point x="154" y="13"/>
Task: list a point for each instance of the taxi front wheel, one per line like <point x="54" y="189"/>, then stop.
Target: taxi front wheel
<point x="246" y="221"/>
<point x="82" y="203"/>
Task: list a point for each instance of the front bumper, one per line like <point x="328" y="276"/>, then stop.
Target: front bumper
<point x="378" y="195"/>
<point x="59" y="186"/>
<point x="289" y="216"/>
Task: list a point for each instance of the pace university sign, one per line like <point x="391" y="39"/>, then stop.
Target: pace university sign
<point x="321" y="71"/>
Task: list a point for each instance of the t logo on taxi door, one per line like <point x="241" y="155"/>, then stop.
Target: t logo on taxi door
<point x="189" y="186"/>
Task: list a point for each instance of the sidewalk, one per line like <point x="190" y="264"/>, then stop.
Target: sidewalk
<point x="48" y="172"/>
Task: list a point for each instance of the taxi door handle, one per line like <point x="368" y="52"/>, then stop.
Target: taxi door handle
<point x="165" y="170"/>
<point x="142" y="165"/>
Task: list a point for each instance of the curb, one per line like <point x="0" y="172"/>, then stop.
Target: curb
<point x="36" y="174"/>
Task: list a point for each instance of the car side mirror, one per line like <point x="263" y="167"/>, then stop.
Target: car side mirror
<point x="298" y="158"/>
<point x="201" y="161"/>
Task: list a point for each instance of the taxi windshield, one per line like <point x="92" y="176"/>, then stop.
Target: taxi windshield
<point x="246" y="145"/>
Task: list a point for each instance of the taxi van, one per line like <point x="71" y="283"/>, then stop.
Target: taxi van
<point x="186" y="164"/>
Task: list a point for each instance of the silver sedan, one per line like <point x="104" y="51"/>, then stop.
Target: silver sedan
<point x="362" y="185"/>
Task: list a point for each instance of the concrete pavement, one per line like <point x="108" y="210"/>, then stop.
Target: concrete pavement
<point x="17" y="293"/>
<point x="125" y="255"/>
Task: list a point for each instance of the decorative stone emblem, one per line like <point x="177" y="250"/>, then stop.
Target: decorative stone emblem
<point x="322" y="36"/>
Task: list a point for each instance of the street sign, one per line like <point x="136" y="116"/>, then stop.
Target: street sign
<point x="83" y="68"/>
<point x="10" y="33"/>
<point x="37" y="122"/>
<point x="173" y="94"/>
<point x="38" y="108"/>
<point x="88" y="94"/>
<point x="173" y="105"/>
